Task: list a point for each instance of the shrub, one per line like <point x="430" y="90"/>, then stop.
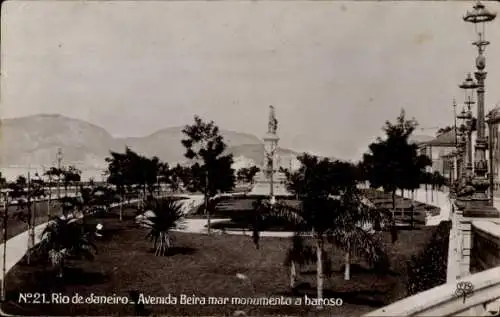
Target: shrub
<point x="428" y="269"/>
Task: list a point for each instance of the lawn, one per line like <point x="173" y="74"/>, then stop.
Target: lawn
<point x="15" y="226"/>
<point x="207" y="266"/>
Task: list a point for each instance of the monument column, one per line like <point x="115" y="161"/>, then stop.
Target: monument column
<point x="270" y="181"/>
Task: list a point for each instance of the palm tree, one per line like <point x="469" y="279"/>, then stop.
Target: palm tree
<point x="63" y="238"/>
<point x="355" y="219"/>
<point x="161" y="216"/>
<point x="314" y="216"/>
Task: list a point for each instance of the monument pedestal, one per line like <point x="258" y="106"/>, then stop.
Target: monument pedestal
<point x="262" y="186"/>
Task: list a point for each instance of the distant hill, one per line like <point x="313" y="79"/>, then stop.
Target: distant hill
<point x="34" y="140"/>
<point x="166" y="143"/>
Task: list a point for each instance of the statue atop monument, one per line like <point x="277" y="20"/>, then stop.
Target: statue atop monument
<point x="270" y="180"/>
<point x="272" y="125"/>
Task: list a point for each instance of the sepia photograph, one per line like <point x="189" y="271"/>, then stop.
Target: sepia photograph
<point x="250" y="158"/>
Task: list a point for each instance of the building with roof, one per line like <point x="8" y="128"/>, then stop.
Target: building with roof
<point x="441" y="151"/>
<point x="493" y="120"/>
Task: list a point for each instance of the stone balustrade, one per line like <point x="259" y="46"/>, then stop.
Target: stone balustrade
<point x="473" y="257"/>
<point x="444" y="300"/>
<point x="485" y="251"/>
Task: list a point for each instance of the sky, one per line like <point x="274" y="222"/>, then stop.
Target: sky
<point x="334" y="70"/>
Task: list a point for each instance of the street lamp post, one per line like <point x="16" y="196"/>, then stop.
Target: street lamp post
<point x="455" y="158"/>
<point x="468" y="86"/>
<point x="490" y="157"/>
<point x="479" y="203"/>
<point x="4" y="256"/>
<point x="463" y="145"/>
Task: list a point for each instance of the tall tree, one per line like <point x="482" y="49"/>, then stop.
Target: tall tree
<point x="164" y="176"/>
<point x="317" y="184"/>
<point x="129" y="169"/>
<point x="355" y="219"/>
<point x="394" y="163"/>
<point x="5" y="215"/>
<point x="211" y="170"/>
<point x="177" y="177"/>
<point x="332" y="208"/>
<point x="70" y="176"/>
<point x="58" y="174"/>
<point x="3" y="181"/>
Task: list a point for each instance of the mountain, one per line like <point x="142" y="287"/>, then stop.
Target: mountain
<point x="34" y="140"/>
<point x="166" y="143"/>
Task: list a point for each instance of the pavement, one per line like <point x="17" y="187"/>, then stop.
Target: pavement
<point x="434" y="198"/>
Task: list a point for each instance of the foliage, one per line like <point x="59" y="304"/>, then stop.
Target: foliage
<point x="70" y="204"/>
<point x="63" y="238"/>
<point x="428" y="269"/>
<point x="129" y="168"/>
<point x="319" y="178"/>
<point x="3" y="181"/>
<point x="394" y="163"/>
<point x="211" y="170"/>
<point x="331" y="208"/>
<point x="166" y="215"/>
<point x="23" y="192"/>
<point x="354" y="219"/>
<point x="247" y="174"/>
<point x="54" y="172"/>
<point x="300" y="252"/>
<point x="444" y="130"/>
<point x="101" y="197"/>
<point x="70" y="176"/>
<point x="435" y="179"/>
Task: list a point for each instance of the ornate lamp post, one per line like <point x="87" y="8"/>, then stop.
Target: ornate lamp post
<point x="455" y="132"/>
<point x="468" y="86"/>
<point x="463" y="145"/>
<point x="491" y="136"/>
<point x="479" y="203"/>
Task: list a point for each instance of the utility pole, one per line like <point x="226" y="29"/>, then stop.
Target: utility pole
<point x="29" y="218"/>
<point x="59" y="160"/>
<point x="207" y="188"/>
<point x="4" y="257"/>
<point x="49" y="213"/>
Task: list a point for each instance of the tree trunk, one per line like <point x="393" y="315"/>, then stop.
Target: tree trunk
<point x="319" y="267"/>
<point x="206" y="203"/>
<point x="393" y="203"/>
<point x="48" y="204"/>
<point x="412" y="220"/>
<point x="121" y="208"/>
<point x="4" y="255"/>
<point x="33" y="224"/>
<point x="426" y="195"/>
<point x="293" y="275"/>
<point x="347" y="272"/>
<point x="121" y="203"/>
